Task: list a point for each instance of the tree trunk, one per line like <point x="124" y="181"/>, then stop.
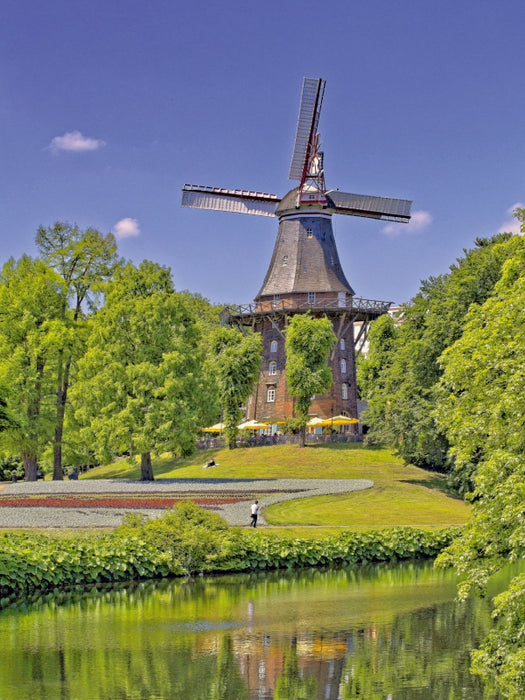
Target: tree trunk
<point x="302" y="436"/>
<point x="63" y="385"/>
<point x="30" y="467"/>
<point x="146" y="470"/>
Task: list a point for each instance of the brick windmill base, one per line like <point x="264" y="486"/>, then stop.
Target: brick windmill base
<point x="270" y="400"/>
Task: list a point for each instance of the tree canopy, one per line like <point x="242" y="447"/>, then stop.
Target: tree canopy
<point x="236" y="360"/>
<point x="402" y="371"/>
<point x="139" y="385"/>
<point x="482" y="410"/>
<point x="31" y="331"/>
<point x="308" y="344"/>
<point x="84" y="260"/>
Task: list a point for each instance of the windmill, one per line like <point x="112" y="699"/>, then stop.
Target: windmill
<point x="304" y="273"/>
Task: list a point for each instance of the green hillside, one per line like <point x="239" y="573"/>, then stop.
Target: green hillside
<point x="401" y="496"/>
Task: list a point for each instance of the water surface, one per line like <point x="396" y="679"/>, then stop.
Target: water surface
<point x="385" y="632"/>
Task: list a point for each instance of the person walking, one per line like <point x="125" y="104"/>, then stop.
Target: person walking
<point x="254" y="511"/>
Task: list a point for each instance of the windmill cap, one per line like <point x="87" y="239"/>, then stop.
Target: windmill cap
<point x="290" y="203"/>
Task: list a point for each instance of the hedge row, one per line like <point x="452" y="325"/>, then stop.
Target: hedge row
<point x="190" y="540"/>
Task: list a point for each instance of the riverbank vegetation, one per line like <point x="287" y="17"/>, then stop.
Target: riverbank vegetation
<point x="447" y="389"/>
<point x="190" y="540"/>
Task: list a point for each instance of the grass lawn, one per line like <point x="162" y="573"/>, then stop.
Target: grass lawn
<point x="402" y="495"/>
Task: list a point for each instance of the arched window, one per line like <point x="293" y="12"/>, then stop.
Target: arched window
<point x="343" y="366"/>
<point x="270" y="394"/>
<point x="272" y="367"/>
<point x="273" y="346"/>
<point x="344" y="391"/>
<point x="342" y="344"/>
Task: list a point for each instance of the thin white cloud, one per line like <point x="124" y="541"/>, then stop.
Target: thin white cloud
<point x="419" y="221"/>
<point x="512" y="225"/>
<point x="75" y="141"/>
<point x="126" y="228"/>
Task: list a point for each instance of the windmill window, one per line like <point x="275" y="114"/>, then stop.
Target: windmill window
<point x="311" y="297"/>
<point x="343" y="366"/>
<point x="285" y="260"/>
<point x="273" y="346"/>
<point x="309" y="233"/>
<point x="276" y="299"/>
<point x="270" y="394"/>
<point x="272" y="367"/>
<point x="342" y="344"/>
<point x="344" y="391"/>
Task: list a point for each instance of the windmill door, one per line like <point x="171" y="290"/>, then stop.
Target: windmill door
<point x="341" y="299"/>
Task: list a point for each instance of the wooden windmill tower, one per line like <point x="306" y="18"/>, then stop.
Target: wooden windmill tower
<point x="304" y="273"/>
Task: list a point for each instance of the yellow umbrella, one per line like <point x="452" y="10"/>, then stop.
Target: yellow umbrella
<point x="217" y="428"/>
<point x="340" y="420"/>
<point x="252" y="425"/>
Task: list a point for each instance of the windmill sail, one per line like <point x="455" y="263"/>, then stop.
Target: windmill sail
<point x="384" y="208"/>
<point x="237" y="201"/>
<point x="309" y="113"/>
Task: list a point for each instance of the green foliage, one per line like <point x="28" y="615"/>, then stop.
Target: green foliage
<point x="236" y="360"/>
<point x="31" y="329"/>
<point x="482" y="410"/>
<point x="501" y="659"/>
<point x="308" y="344"/>
<point x="401" y="376"/>
<point x="195" y="539"/>
<point x="84" y="260"/>
<point x="10" y="466"/>
<point x="187" y="540"/>
<point x="140" y="386"/>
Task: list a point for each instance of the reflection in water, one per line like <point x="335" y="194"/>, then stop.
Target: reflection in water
<point x="377" y="632"/>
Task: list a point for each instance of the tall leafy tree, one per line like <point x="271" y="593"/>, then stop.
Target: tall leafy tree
<point x="402" y="397"/>
<point x="236" y="362"/>
<point x="308" y="344"/>
<point x="139" y="385"/>
<point x="84" y="260"/>
<point x="482" y="410"/>
<point x="31" y="332"/>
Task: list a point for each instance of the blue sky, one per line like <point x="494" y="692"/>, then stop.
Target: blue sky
<point x="108" y="108"/>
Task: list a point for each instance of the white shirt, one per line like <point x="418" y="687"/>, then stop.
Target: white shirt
<point x="255" y="508"/>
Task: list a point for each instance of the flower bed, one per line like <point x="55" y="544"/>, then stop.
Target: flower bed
<point x="83" y="501"/>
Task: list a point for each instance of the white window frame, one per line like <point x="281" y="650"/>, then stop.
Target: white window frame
<point x="273" y="346"/>
<point x="342" y="344"/>
<point x="270" y="394"/>
<point x="343" y="365"/>
<point x="272" y="367"/>
<point x="311" y="298"/>
<point x="344" y="391"/>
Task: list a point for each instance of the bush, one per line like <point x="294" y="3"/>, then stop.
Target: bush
<point x="10" y="466"/>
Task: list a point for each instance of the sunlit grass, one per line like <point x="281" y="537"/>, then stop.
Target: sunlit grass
<point x="401" y="496"/>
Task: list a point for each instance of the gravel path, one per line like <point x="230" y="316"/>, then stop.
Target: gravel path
<point x="267" y="491"/>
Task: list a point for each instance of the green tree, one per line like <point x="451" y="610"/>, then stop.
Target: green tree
<point x="236" y="360"/>
<point x="139" y="385"/>
<point x="31" y="329"/>
<point x="482" y="410"/>
<point x="402" y="395"/>
<point x="84" y="260"/>
<point x="308" y="344"/>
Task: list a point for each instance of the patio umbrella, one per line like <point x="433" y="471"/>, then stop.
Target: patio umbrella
<point x="217" y="428"/>
<point x="252" y="425"/>
<point x="340" y="420"/>
<point x="313" y="422"/>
